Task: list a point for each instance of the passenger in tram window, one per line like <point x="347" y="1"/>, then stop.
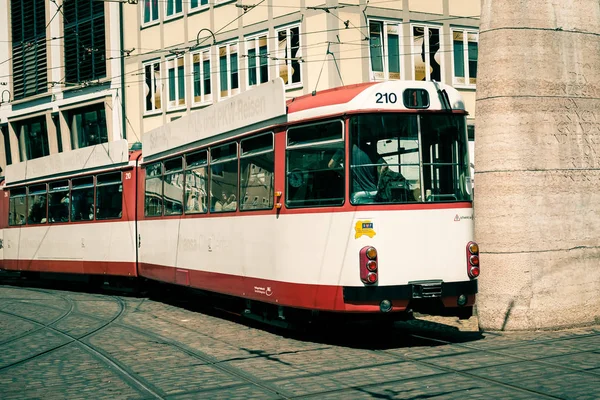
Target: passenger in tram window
<point x="37" y="212"/>
<point x="226" y="203"/>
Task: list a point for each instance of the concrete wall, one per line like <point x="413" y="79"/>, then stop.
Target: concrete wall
<point x="537" y="203"/>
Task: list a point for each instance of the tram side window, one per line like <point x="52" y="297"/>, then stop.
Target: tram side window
<point x="314" y="165"/>
<point x="109" y="196"/>
<point x="17" y="207"/>
<point x="173" y="186"/>
<point x="196" y="175"/>
<point x="36" y="202"/>
<point x="224" y="177"/>
<point x="257" y="166"/>
<point x="58" y="202"/>
<point x="82" y="199"/>
<point x="153" y="202"/>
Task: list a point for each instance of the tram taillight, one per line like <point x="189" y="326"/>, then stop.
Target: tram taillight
<point x="368" y="265"/>
<point x="473" y="260"/>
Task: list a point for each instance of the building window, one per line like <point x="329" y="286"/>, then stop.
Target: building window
<point x="289" y="55"/>
<point x="465" y="57"/>
<point x="174" y="7"/>
<point x="176" y="72"/>
<point x="88" y="126"/>
<point x="6" y="139"/>
<point x="28" y="47"/>
<point x="229" y="80"/>
<point x="34" y="136"/>
<point x="153" y="86"/>
<point x="150" y="11"/>
<point x="385" y="50"/>
<point x="201" y="65"/>
<point x="426" y="55"/>
<point x="258" y="60"/>
<point x="198" y="3"/>
<point x="85" y="41"/>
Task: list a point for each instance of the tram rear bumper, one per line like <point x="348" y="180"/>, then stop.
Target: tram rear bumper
<point x="411" y="291"/>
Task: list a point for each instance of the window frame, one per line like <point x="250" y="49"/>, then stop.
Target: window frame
<point x="466" y="79"/>
<point x="281" y="55"/>
<point x="175" y="13"/>
<point x="151" y="21"/>
<point x="256" y="39"/>
<point x="158" y="87"/>
<point x="426" y="27"/>
<point x="205" y="98"/>
<point x="172" y="63"/>
<point x="199" y="6"/>
<point x="229" y="71"/>
<point x="385" y="50"/>
<point x="75" y="31"/>
<point x="28" y="48"/>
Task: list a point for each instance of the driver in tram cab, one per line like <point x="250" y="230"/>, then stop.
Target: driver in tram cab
<point x="365" y="174"/>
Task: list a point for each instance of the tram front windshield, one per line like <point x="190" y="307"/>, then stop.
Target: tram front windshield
<point x="407" y="158"/>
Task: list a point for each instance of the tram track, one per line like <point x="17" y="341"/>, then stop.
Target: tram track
<point x="43" y="326"/>
<point x="128" y="376"/>
<point x="407" y="337"/>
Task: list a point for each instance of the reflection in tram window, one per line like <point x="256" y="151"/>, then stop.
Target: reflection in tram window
<point x="257" y="165"/>
<point x="314" y="173"/>
<point x="153" y="195"/>
<point x="36" y="202"/>
<point x="196" y="190"/>
<point x="224" y="178"/>
<point x="17" y="207"/>
<point x="82" y="199"/>
<point x="109" y="196"/>
<point x="58" y="202"/>
<point x="173" y="186"/>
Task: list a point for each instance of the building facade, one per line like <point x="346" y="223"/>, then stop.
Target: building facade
<point x="59" y="68"/>
<point x="87" y="71"/>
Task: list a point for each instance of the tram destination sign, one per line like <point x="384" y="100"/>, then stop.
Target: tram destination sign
<point x="255" y="106"/>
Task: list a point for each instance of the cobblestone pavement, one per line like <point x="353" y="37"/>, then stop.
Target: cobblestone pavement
<point x="57" y="344"/>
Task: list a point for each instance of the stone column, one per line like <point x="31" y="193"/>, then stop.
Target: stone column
<point x="537" y="175"/>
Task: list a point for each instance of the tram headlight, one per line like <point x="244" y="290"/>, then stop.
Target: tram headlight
<point x="462" y="300"/>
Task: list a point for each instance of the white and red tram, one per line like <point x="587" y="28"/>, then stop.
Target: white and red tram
<point x="355" y="199"/>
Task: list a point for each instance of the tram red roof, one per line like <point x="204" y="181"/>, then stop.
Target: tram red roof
<point x="327" y="97"/>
